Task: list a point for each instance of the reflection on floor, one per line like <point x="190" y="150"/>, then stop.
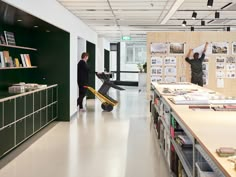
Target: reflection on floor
<point x="120" y="143"/>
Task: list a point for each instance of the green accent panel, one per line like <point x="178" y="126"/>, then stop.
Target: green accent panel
<point x="7" y="139"/>
<point x="29" y="126"/>
<point x="53" y="61"/>
<point x="20" y="107"/>
<point x="107" y="60"/>
<point x="36" y="121"/>
<point x="9" y="111"/>
<point x="91" y="50"/>
<point x="20" y="131"/>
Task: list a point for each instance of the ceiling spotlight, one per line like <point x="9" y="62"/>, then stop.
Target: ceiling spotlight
<point x="194" y="15"/>
<point x="209" y="3"/>
<point x="217" y="14"/>
<point x="228" y="28"/>
<point x="202" y="23"/>
<point x="192" y="28"/>
<point x="184" y="23"/>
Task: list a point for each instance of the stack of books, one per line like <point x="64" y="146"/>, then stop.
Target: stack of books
<point x="226" y="151"/>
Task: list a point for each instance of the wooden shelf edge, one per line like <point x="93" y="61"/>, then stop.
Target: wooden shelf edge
<point x="6" y="68"/>
<point x="19" y="47"/>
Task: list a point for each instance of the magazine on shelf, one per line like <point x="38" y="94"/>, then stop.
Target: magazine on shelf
<point x="10" y="38"/>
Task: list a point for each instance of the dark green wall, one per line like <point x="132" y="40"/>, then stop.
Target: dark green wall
<point x="52" y="59"/>
<point x="91" y="49"/>
<point x="107" y="60"/>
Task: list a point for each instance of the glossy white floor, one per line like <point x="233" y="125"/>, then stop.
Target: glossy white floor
<point x="94" y="144"/>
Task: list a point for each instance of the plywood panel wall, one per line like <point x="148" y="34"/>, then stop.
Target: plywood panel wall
<point x="193" y="40"/>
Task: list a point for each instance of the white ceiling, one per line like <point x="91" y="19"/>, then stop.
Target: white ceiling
<point x="114" y="18"/>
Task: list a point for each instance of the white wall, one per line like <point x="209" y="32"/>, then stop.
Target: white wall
<point x="54" y="13"/>
<point x="102" y="44"/>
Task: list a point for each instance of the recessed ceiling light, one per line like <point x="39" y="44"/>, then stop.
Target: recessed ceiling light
<point x="36" y="26"/>
<point x="209" y="3"/>
<point x="48" y="31"/>
<point x="19" y="20"/>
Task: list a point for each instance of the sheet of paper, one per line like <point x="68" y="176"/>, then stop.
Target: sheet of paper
<point x="200" y="49"/>
<point x="220" y="83"/>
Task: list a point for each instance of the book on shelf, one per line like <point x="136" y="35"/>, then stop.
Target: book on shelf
<point x="23" y="60"/>
<point x="27" y="60"/>
<point x="2" y="39"/>
<point x="10" y="38"/>
<point x="2" y="60"/>
<point x="17" y="63"/>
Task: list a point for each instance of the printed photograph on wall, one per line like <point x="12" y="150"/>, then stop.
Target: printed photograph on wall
<point x="230" y="59"/>
<point x="160" y="48"/>
<point x="156" y="79"/>
<point x="170" y="70"/>
<point x="230" y="67"/>
<point x="156" y="61"/>
<point x="233" y="48"/>
<point x="220" y="66"/>
<point x="177" y="48"/>
<point x="205" y="66"/>
<point x="156" y="71"/>
<point x="170" y="79"/>
<point x="220" y="48"/>
<point x="230" y="74"/>
<point x="220" y="59"/>
<point x="220" y="74"/>
<point x="170" y="60"/>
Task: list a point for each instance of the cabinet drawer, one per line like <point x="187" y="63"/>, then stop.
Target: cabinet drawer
<point x="6" y="139"/>
<point x="29" y="126"/>
<point x="29" y="104"/>
<point x="20" y="107"/>
<point x="20" y="131"/>
<point x="36" y="101"/>
<point x="9" y="112"/>
<point x="43" y="95"/>
<point x="43" y="117"/>
<point x="36" y="121"/>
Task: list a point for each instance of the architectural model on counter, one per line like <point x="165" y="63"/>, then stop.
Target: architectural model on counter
<point x="23" y="87"/>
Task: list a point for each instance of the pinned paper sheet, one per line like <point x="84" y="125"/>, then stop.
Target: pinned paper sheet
<point x="200" y="49"/>
<point x="220" y="83"/>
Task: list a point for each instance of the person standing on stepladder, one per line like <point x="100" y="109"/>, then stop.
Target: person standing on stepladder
<point x="82" y="79"/>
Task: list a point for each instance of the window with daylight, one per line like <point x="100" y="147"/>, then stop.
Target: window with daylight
<point x="135" y="53"/>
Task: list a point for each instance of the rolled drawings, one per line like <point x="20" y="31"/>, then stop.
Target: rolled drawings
<point x="220" y="48"/>
<point x="220" y="74"/>
<point x="233" y="48"/>
<point x="170" y="79"/>
<point x="177" y="48"/>
<point x="170" y="60"/>
<point x="230" y="59"/>
<point x="230" y="74"/>
<point x="220" y="66"/>
<point x="161" y="48"/>
<point x="230" y="67"/>
<point x="200" y="49"/>
<point x="156" y="60"/>
<point x="170" y="70"/>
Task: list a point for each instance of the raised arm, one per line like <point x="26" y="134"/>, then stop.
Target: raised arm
<point x="205" y="48"/>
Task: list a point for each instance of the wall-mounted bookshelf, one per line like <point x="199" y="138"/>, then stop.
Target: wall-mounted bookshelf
<point x="18" y="47"/>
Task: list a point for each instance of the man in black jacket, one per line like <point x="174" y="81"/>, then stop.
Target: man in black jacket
<point x="83" y="77"/>
<point x="196" y="66"/>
